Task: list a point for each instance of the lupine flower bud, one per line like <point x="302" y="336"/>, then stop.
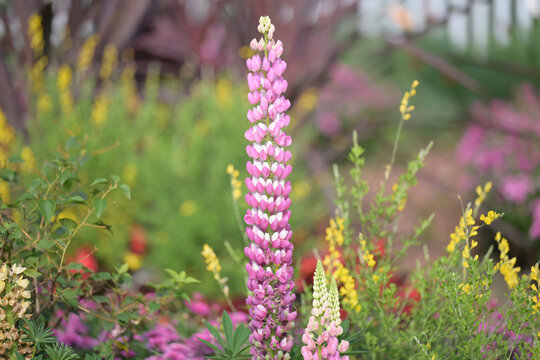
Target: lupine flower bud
<point x="270" y="251"/>
<point x="320" y="336"/>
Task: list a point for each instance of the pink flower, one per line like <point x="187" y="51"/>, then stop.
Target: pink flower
<point x="515" y="188"/>
<point x="270" y="252"/>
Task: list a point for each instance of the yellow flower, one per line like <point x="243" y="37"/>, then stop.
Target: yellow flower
<point x="404" y="107"/>
<point x="223" y="92"/>
<point x="87" y="53"/>
<point x="211" y="260"/>
<point x="37" y="75"/>
<point x="236" y="185"/>
<point x="63" y="84"/>
<point x="133" y="260"/>
<point x="129" y="89"/>
<point x="100" y="110"/>
<point x="5" y="195"/>
<point x="482" y="193"/>
<point x="29" y="161"/>
<point x="188" y="208"/>
<point x="463" y="231"/>
<point x="44" y="104"/>
<point x="300" y="190"/>
<point x="506" y="265"/>
<point x="35" y="33"/>
<point x="7" y="133"/>
<point x="308" y="100"/>
<point x="64" y="77"/>
<point x="466" y="253"/>
<point x="490" y="217"/>
<point x="110" y="59"/>
<point x="335" y="237"/>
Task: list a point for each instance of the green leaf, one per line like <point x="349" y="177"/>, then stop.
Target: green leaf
<point x="99" y="205"/>
<point x="212" y="346"/>
<point x="74" y="266"/>
<point x="47" y="207"/>
<point x="99" y="181"/>
<point x="68" y="223"/>
<point x="101" y="299"/>
<point x="32" y="273"/>
<point x="127" y="191"/>
<point x="153" y="307"/>
<point x="115" y="179"/>
<point x="45" y="244"/>
<point x="76" y="199"/>
<point x="241" y="335"/>
<point x="123" y="269"/>
<point x="228" y="328"/>
<point x="215" y="333"/>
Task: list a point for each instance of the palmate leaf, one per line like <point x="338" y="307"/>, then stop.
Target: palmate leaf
<point x="60" y="352"/>
<point x="37" y="333"/>
<point x="232" y="345"/>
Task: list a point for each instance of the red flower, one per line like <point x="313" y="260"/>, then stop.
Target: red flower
<point x="85" y="257"/>
<point x="138" y="243"/>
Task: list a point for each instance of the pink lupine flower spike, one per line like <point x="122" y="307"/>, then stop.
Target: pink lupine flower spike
<point x="270" y="250"/>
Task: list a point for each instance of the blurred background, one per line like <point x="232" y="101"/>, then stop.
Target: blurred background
<point x="156" y="90"/>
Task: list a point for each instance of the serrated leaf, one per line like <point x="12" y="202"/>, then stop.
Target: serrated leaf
<point x="99" y="205"/>
<point x="127" y="191"/>
<point x="47" y="207"/>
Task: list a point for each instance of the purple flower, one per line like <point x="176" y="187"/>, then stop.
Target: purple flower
<point x="270" y="252"/>
<point x="73" y="332"/>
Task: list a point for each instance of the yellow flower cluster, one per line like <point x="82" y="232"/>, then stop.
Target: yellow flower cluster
<point x="368" y="258"/>
<point x="490" y="217"/>
<point x="109" y="62"/>
<point x="404" y="108"/>
<point x="236" y="185"/>
<point x="482" y="193"/>
<point x="63" y="84"/>
<point x="402" y="202"/>
<point x="100" y="109"/>
<point x="7" y="137"/>
<point x="347" y="290"/>
<point x="129" y="89"/>
<point x="223" y="92"/>
<point x="466" y="253"/>
<point x="505" y="264"/>
<point x="462" y="232"/>
<point x="87" y="53"/>
<point x="37" y="72"/>
<point x="29" y="161"/>
<point x="35" y="33"/>
<point x="212" y="261"/>
<point x="13" y="306"/>
<point x="535" y="276"/>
